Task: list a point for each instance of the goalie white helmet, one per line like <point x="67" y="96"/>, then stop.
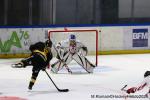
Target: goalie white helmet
<point x="72" y="40"/>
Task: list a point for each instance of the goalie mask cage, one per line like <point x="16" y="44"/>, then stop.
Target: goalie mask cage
<point x="88" y="37"/>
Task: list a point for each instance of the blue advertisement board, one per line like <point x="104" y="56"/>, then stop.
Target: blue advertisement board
<point x="140" y="37"/>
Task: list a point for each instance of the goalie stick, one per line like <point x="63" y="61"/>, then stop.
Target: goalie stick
<point x="60" y="90"/>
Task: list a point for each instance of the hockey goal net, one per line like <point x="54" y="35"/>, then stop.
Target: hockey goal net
<point x="88" y="37"/>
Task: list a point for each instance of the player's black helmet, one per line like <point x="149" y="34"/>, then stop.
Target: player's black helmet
<point x="48" y="43"/>
<point x="37" y="46"/>
<point x="147" y="73"/>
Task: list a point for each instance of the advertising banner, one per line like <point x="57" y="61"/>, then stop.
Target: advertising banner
<point x="18" y="40"/>
<point x="136" y="37"/>
<point x="140" y="37"/>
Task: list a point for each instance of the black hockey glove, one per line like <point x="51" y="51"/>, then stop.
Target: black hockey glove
<point x="43" y="69"/>
<point x="84" y="48"/>
<point x="48" y="43"/>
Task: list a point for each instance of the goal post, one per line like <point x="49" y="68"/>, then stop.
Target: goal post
<point x="86" y="36"/>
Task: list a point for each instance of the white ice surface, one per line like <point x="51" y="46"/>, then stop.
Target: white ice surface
<point x="112" y="73"/>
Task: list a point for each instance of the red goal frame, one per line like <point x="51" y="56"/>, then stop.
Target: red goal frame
<point x="79" y="30"/>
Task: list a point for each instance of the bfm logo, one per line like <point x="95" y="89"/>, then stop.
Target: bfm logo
<point x="140" y="37"/>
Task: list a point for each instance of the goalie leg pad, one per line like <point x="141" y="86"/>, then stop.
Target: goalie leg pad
<point x="58" y="65"/>
<point x="86" y="64"/>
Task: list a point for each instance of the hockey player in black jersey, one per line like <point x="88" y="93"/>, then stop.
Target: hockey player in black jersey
<point x="39" y="59"/>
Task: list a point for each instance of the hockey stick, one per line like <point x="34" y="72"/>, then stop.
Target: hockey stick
<point x="60" y="90"/>
<point x="123" y="89"/>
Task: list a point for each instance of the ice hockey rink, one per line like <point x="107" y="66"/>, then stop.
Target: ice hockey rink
<point x="111" y="74"/>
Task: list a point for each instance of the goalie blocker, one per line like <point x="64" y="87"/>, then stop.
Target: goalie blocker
<point x="69" y="50"/>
